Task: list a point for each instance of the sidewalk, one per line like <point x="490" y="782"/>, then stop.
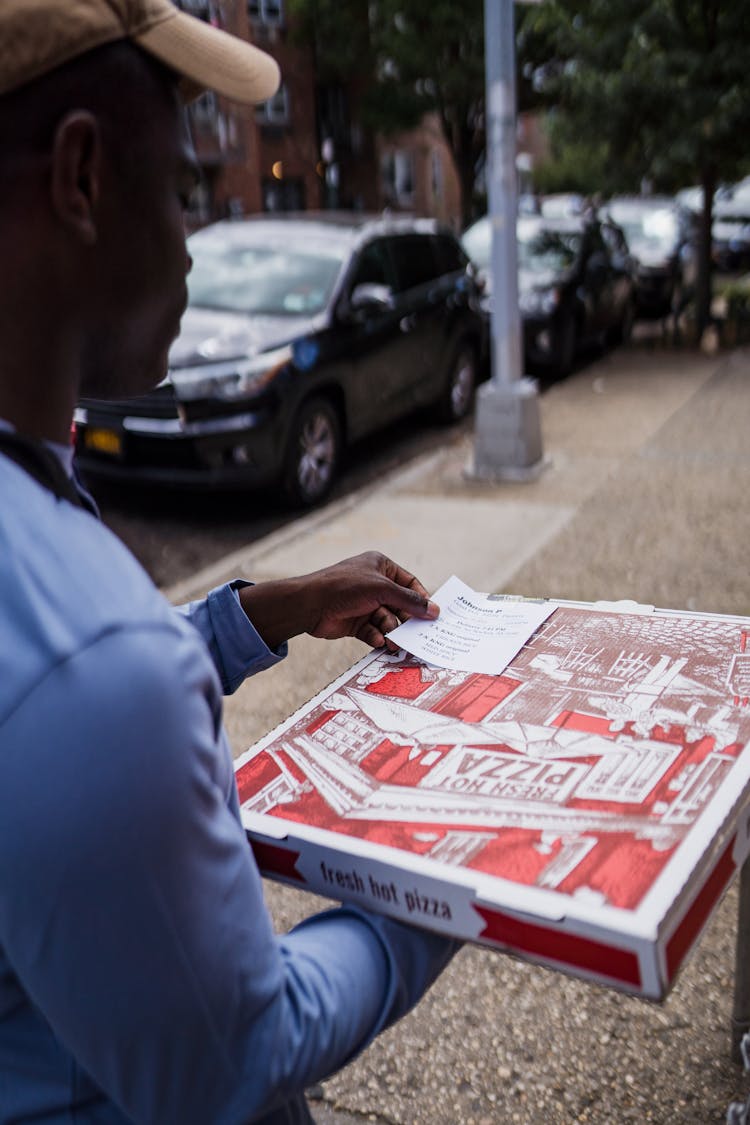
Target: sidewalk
<point x="645" y="498"/>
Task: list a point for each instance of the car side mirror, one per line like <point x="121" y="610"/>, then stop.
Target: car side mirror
<point x="370" y="297"/>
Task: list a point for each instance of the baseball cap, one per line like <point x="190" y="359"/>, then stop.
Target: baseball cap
<point x="36" y="36"/>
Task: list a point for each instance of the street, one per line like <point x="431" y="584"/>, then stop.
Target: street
<point x="173" y="534"/>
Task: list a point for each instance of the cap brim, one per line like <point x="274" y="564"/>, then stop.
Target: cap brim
<point x="211" y="59"/>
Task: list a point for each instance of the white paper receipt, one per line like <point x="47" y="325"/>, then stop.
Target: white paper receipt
<point x="473" y="633"/>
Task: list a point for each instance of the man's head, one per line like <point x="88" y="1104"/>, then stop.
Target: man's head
<point x="95" y="167"/>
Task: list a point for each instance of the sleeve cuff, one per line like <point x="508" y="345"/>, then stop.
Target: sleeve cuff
<point x="237" y="649"/>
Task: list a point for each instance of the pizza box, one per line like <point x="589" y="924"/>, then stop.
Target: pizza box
<point x="584" y="810"/>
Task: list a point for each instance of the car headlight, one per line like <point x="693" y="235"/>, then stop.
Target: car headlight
<point x="538" y="302"/>
<point x="230" y="381"/>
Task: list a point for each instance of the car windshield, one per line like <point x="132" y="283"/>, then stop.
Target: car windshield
<point x="269" y="279"/>
<point x="540" y="249"/>
<point x="544" y="250"/>
<point x="648" y="230"/>
<point x="476" y="243"/>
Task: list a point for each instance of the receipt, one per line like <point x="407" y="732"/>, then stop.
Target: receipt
<point x="474" y="633"/>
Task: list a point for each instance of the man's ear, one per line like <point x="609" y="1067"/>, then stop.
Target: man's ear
<point x="76" y="174"/>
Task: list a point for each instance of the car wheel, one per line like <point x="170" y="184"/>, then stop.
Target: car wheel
<point x="458" y="393"/>
<point x="313" y="452"/>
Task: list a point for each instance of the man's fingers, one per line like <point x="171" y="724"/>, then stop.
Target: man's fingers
<point x="403" y="577"/>
<point x="404" y="603"/>
<point x="371" y="635"/>
<point x="383" y="620"/>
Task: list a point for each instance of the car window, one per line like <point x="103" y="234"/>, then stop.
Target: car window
<point x="451" y="257"/>
<point x="372" y="266"/>
<point x="275" y="280"/>
<point x="648" y="230"/>
<point x="477" y="242"/>
<point x="542" y="250"/>
<point x="414" y="260"/>
<point x="615" y="240"/>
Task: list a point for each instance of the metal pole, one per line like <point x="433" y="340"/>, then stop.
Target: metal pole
<point x="508" y="439"/>
<point x="502" y="190"/>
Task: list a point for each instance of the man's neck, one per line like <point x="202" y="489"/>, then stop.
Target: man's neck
<point x="31" y="414"/>
<point x="39" y="375"/>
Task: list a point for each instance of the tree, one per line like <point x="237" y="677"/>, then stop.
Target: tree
<point x="661" y="84"/>
<point x="419" y="56"/>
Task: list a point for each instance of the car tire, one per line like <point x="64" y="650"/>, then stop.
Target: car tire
<point x="312" y="454"/>
<point x="457" y="397"/>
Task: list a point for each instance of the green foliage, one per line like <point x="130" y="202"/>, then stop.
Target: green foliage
<point x="339" y="33"/>
<point x="663" y="82"/>
<point x="736" y="298"/>
<point x="658" y="88"/>
<point x="581" y="163"/>
<point x="409" y="58"/>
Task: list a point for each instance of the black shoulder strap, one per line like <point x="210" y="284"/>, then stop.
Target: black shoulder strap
<point x="41" y="464"/>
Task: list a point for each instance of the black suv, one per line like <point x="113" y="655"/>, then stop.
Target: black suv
<point x="303" y="332"/>
<point x="575" y="284"/>
<point x="661" y="238"/>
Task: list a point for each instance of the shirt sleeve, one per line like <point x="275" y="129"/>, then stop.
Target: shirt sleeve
<point x="139" y="926"/>
<point x="236" y="648"/>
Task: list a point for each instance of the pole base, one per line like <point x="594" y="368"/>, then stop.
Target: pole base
<point x="507" y="432"/>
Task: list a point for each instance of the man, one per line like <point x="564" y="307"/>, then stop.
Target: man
<point x="140" y="979"/>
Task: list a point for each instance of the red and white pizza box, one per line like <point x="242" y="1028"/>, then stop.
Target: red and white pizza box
<point x="584" y="810"/>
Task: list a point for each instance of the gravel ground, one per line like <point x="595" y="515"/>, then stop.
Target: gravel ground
<point x="500" y="1041"/>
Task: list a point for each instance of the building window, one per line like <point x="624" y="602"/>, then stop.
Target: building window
<point x="202" y="205"/>
<point x="207" y="10"/>
<point x="397" y="170"/>
<point x="283" y="195"/>
<point x="270" y="13"/>
<point x="205" y="109"/>
<point x="276" y="110"/>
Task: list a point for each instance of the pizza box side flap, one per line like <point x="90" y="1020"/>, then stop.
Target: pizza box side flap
<point x="595" y="952"/>
<point x="491" y="892"/>
<point x="312" y="843"/>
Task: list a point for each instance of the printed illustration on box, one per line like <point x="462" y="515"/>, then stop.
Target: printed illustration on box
<point x="580" y="769"/>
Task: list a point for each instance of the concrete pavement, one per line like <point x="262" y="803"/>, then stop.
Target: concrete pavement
<point x="645" y="497"/>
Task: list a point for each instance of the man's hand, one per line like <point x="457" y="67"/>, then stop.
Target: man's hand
<point x="362" y="597"/>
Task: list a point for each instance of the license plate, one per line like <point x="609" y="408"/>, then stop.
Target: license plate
<point x="103" y="441"/>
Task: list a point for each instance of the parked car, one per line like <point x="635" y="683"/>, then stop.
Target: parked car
<point x="730" y="233"/>
<point x="562" y="204"/>
<point x="661" y="237"/>
<point x="302" y="334"/>
<point x="572" y="290"/>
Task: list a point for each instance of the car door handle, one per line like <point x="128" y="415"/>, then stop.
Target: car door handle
<point x="407" y="322"/>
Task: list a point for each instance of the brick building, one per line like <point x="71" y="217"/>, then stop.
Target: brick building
<point x="305" y="149"/>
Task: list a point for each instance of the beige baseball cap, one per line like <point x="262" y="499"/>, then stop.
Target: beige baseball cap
<point x="38" y="35"/>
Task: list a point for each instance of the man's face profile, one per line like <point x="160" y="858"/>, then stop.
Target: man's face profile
<point x="148" y="173"/>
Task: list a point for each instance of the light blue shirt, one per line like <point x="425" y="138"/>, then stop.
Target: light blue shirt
<point x="140" y="978"/>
